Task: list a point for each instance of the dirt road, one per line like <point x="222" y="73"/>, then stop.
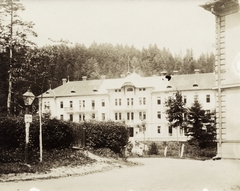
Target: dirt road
<point x="157" y="174"/>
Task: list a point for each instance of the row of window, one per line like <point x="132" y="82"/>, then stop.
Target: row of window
<point x="130" y="89"/>
<point x="185" y="99"/>
<point x="118" y="116"/>
<point x="130" y="101"/>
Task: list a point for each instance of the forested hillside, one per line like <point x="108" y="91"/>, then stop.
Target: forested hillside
<point x="105" y="59"/>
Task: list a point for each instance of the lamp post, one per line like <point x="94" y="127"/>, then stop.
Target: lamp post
<point x="28" y="98"/>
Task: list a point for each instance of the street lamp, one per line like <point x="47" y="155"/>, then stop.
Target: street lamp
<point x="28" y="98"/>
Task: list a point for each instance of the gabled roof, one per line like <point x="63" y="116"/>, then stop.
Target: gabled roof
<point x="75" y="88"/>
<point x="186" y="82"/>
<point x="158" y="83"/>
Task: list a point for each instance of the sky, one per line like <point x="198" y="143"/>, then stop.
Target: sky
<point x="174" y="24"/>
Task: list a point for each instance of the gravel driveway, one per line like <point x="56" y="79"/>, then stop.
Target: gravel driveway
<point x="157" y="174"/>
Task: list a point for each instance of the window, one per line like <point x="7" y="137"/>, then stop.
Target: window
<point x="80" y="117"/>
<point x="71" y="117"/>
<point x="208" y="98"/>
<point x="119" y="102"/>
<point x="132" y="116"/>
<point x="207" y="112"/>
<point x="131" y="101"/>
<point x="61" y="104"/>
<point x="116" y="102"/>
<point x="144" y="101"/>
<point x="140" y="89"/>
<point x="142" y="115"/>
<point x="195" y="97"/>
<point x="93" y="104"/>
<point x="159" y="114"/>
<point x="140" y="101"/>
<point x="159" y="129"/>
<point x="103" y="116"/>
<point x="185" y="99"/>
<point x="103" y="103"/>
<point x="61" y="117"/>
<point x="93" y="116"/>
<point x="80" y="104"/>
<point x="181" y="131"/>
<point x="129" y="89"/>
<point x="83" y="103"/>
<point x="128" y="116"/>
<point x="118" y="116"/>
<point x="170" y="131"/>
<point x="143" y="89"/>
<point x="159" y="100"/>
<point x="83" y="117"/>
<point x="128" y="101"/>
<point x="71" y="104"/>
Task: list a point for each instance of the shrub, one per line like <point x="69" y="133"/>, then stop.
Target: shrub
<point x="109" y="134"/>
<point x="153" y="149"/>
<point x="57" y="134"/>
<point x="12" y="132"/>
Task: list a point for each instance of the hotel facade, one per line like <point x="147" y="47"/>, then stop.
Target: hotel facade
<point x="133" y="99"/>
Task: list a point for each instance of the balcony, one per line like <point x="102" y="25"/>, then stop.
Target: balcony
<point x="68" y="109"/>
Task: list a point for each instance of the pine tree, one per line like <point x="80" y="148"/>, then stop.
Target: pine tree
<point x="14" y="41"/>
<point x="201" y="129"/>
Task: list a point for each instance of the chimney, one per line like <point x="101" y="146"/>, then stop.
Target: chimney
<point x="84" y="78"/>
<point x="103" y="77"/>
<point x="175" y="72"/>
<point x="64" y="81"/>
<point x="196" y="71"/>
<point x="164" y="72"/>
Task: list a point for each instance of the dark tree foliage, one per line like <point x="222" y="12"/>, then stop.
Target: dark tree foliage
<point x="175" y="110"/>
<point x="14" y="45"/>
<point x="202" y="130"/>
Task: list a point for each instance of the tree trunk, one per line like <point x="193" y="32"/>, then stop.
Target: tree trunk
<point x="9" y="98"/>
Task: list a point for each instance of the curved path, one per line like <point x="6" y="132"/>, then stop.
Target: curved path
<point x="157" y="174"/>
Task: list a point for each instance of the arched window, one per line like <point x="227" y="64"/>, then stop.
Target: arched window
<point x="129" y="89"/>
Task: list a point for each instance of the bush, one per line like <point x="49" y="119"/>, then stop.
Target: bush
<point x="153" y="149"/>
<point x="57" y="134"/>
<point x="109" y="134"/>
<point x="12" y="132"/>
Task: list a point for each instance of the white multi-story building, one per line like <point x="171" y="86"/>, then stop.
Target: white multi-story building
<point x="132" y="99"/>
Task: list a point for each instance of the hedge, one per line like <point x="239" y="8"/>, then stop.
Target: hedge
<point x="58" y="134"/>
<point x="108" y="134"/>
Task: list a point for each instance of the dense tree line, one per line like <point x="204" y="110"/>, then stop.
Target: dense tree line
<point x="24" y="65"/>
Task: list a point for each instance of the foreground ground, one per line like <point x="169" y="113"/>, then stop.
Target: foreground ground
<point x="156" y="174"/>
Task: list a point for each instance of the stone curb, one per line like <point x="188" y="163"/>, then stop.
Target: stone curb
<point x="61" y="172"/>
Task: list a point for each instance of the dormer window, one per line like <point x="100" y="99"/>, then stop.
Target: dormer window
<point x="169" y="87"/>
<point x="195" y="85"/>
<point x="47" y="92"/>
<point x="95" y="90"/>
<point x="73" y="91"/>
<point x="129" y="89"/>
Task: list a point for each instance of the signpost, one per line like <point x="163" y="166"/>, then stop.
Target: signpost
<point x="28" y="98"/>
